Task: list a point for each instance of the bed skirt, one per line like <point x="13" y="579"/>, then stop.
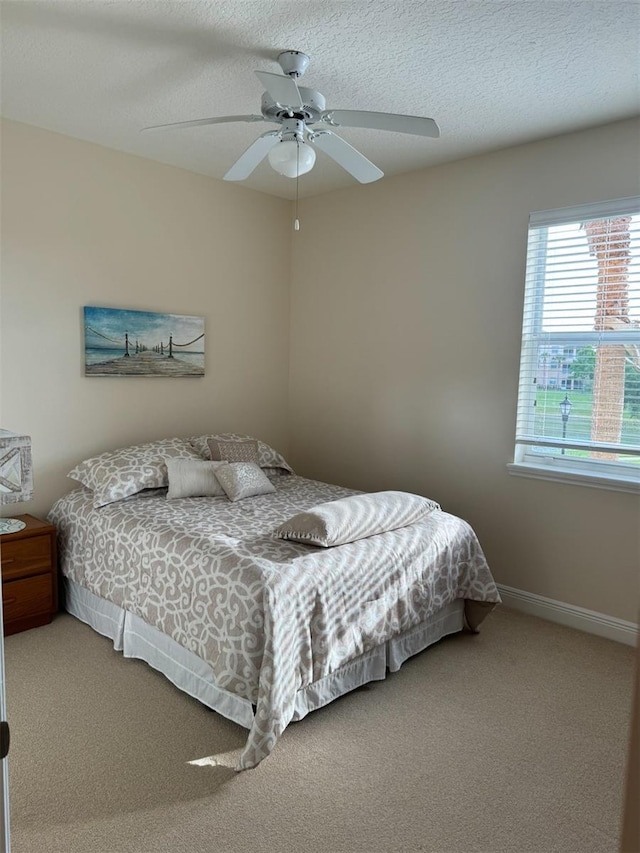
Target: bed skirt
<point x="135" y="639"/>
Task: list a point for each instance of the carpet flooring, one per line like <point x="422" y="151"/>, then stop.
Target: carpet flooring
<point x="511" y="740"/>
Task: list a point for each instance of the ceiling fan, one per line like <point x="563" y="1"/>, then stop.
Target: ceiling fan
<point x="304" y="123"/>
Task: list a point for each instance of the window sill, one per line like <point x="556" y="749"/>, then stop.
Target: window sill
<point x="562" y="475"/>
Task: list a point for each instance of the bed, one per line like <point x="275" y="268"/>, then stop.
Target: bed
<point x="260" y="628"/>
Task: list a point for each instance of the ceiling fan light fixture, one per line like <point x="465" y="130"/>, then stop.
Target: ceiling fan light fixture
<point x="292" y="158"/>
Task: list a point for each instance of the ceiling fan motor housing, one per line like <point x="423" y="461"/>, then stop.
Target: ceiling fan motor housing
<point x="313" y="105"/>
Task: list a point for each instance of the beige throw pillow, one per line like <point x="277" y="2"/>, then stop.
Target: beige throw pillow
<point x="356" y="517"/>
<point x="191" y="478"/>
<point x="243" y="480"/>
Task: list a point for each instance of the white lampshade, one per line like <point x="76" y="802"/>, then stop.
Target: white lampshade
<point x="291" y="158"/>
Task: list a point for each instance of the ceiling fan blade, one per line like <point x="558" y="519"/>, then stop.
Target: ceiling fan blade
<point x="416" y="125"/>
<point x="346" y="156"/>
<point x="200" y="121"/>
<point x="283" y="90"/>
<point x="254" y="155"/>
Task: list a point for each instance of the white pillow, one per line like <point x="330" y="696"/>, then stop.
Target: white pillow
<point x="243" y="480"/>
<point x="191" y="478"/>
<point x="356" y="517"/>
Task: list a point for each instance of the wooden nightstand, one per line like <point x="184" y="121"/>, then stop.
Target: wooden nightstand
<point x="29" y="575"/>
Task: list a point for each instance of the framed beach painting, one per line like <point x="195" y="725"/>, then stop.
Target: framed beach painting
<point x="119" y="342"/>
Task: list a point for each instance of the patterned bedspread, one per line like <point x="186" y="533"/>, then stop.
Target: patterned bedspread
<point x="269" y="616"/>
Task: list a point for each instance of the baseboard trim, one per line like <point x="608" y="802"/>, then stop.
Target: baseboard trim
<point x="568" y="614"/>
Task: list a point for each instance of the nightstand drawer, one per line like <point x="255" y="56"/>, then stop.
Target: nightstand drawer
<point x="29" y="575"/>
<point x="25" y="557"/>
<point x="27" y="597"/>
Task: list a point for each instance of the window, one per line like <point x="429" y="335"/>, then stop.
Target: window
<point x="579" y="392"/>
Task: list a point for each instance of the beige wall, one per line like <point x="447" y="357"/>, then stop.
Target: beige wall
<point x="405" y="341"/>
<point x="85" y="225"/>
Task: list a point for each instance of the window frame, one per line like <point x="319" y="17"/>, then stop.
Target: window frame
<point x="527" y="462"/>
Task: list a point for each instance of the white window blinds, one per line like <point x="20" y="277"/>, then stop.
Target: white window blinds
<point x="579" y="391"/>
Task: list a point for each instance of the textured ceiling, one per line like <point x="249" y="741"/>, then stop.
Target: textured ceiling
<point x="492" y="74"/>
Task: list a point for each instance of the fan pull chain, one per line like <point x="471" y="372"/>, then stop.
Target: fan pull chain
<point x="296" y="221"/>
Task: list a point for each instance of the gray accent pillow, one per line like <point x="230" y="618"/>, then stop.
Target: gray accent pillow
<point x="267" y="456"/>
<point x="234" y="451"/>
<point x="192" y="478"/>
<point x="243" y="480"/>
<point x="120" y="473"/>
<point x="356" y="517"/>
